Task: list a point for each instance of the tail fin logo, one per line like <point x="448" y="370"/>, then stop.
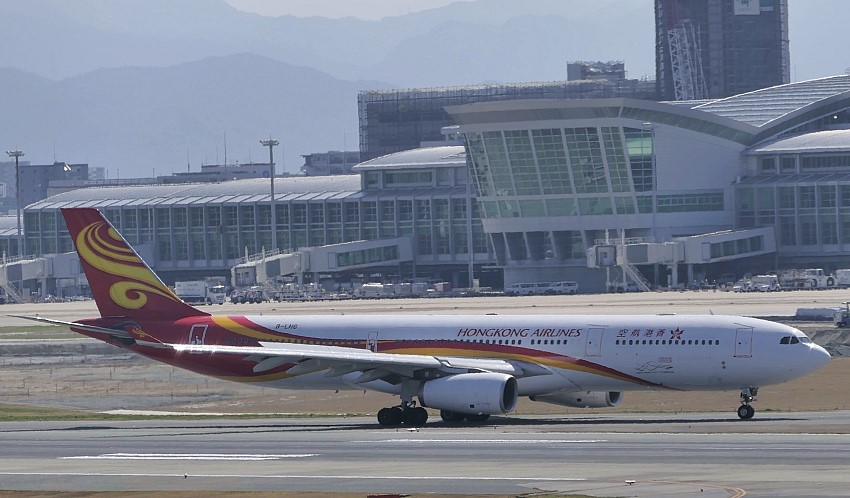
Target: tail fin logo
<point x="103" y="248"/>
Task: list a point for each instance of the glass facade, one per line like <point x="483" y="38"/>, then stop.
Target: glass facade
<point x="566" y="172"/>
<point x="573" y="171"/>
<point x="812" y="216"/>
<point x="440" y="228"/>
<point x="212" y="233"/>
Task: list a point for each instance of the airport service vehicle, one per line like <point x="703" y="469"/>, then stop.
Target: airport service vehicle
<point x="565" y="287"/>
<point x="765" y="283"/>
<point x="809" y="278"/>
<point x="841" y="318"/>
<point x="372" y="290"/>
<point x="467" y="367"/>
<point x="527" y="289"/>
<point x="726" y="280"/>
<point x="200" y="292"/>
<point x="842" y="278"/>
<point x="620" y="287"/>
<point x="255" y="294"/>
<point x="237" y="296"/>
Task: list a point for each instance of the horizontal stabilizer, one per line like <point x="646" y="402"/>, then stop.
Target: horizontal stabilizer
<point x="119" y="333"/>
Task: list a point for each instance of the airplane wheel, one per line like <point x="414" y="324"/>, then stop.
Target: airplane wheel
<point x="746" y="412"/>
<point x="477" y="418"/>
<point x="390" y="417"/>
<point x="450" y="416"/>
<point x="415" y="417"/>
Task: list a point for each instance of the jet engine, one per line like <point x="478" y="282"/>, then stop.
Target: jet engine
<point x="476" y="393"/>
<point x="587" y="399"/>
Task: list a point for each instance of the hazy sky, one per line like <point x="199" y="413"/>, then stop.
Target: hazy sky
<point x="363" y="9"/>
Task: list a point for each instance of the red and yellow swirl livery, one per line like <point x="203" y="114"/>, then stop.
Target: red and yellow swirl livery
<point x="126" y="287"/>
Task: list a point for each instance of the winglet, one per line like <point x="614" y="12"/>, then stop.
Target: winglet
<point x="123" y="285"/>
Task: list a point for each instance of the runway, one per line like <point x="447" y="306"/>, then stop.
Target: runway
<point x="788" y="454"/>
<point x="759" y="304"/>
<point x="598" y="454"/>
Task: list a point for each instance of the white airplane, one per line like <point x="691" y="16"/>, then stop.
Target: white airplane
<point x="468" y="367"/>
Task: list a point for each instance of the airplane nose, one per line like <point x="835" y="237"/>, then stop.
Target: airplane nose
<point x="819" y="356"/>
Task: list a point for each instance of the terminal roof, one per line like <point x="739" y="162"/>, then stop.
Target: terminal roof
<point x="769" y="105"/>
<point x="427" y="157"/>
<point x="248" y="190"/>
<point x="819" y="141"/>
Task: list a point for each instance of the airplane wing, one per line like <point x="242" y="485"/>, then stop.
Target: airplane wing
<point x="117" y="333"/>
<point x="373" y="366"/>
<point x="337" y="361"/>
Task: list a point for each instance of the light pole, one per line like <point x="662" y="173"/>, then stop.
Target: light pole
<point x="271" y="143"/>
<point x="17" y="154"/>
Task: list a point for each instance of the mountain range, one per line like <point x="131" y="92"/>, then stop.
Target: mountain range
<point x="148" y="86"/>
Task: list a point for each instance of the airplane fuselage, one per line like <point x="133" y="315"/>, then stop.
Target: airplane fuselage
<point x="579" y="353"/>
<point x="468" y="367"/>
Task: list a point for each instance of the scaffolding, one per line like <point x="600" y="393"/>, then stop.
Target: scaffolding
<point x="400" y="119"/>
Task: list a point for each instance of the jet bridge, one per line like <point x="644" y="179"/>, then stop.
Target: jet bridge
<point x="727" y="245"/>
<point x="261" y="269"/>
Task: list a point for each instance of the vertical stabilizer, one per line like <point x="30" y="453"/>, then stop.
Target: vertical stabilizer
<point x="122" y="283"/>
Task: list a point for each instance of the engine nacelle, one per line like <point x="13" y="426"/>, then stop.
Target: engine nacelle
<point x="475" y="393"/>
<point x="587" y="399"/>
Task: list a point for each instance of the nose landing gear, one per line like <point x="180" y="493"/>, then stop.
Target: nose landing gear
<point x="748" y="395"/>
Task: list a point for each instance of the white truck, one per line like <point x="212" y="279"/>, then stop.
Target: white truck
<point x="372" y="290"/>
<point x="200" y="292"/>
<point x="765" y="283"/>
<point x="809" y="278"/>
<point x="842" y="278"/>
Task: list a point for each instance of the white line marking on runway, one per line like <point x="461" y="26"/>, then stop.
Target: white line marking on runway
<point x="486" y="441"/>
<point x="186" y="456"/>
<point x="277" y="476"/>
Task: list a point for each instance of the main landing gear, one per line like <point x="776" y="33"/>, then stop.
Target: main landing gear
<point x="748" y="395"/>
<point x="450" y="416"/>
<point x="415" y="416"/>
<point x="405" y="414"/>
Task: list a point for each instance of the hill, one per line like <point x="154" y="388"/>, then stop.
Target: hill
<point x="145" y="120"/>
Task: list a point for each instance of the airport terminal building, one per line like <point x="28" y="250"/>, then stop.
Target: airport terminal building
<point x="407" y="215"/>
<point x="589" y="190"/>
<point x="761" y="177"/>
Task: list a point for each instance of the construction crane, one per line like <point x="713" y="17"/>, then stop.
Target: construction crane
<point x="683" y="42"/>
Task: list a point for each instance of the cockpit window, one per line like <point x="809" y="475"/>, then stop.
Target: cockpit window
<point x="793" y="339"/>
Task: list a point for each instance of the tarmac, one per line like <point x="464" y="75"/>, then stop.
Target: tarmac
<point x="715" y="454"/>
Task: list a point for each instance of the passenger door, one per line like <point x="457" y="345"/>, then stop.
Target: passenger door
<point x="197" y="334"/>
<point x="744" y="343"/>
<point x="372" y="342"/>
<point x="593" y="347"/>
